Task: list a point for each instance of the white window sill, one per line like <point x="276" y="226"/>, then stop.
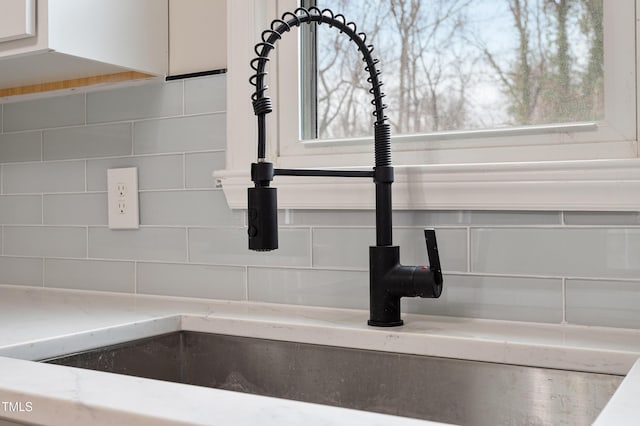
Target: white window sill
<point x="612" y="185"/>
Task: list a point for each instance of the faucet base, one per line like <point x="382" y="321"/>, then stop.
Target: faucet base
<point x="389" y="281"/>
<point x="384" y="302"/>
<point x="385" y="324"/>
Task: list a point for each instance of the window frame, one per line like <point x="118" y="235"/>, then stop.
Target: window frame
<point x="583" y="166"/>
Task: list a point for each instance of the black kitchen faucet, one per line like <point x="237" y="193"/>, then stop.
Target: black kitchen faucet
<point x="388" y="279"/>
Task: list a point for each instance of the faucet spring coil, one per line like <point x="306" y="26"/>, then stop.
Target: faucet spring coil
<point x="382" y="133"/>
<point x="269" y="37"/>
<point x="262" y="106"/>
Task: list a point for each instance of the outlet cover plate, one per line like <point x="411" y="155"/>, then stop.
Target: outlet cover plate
<point x="122" y="198"/>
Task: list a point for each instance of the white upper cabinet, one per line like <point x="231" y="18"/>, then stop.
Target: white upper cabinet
<point x="17" y="19"/>
<point x="78" y="39"/>
<point x="198" y="30"/>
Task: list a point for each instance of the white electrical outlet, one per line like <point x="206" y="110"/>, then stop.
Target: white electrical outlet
<point x="122" y="198"/>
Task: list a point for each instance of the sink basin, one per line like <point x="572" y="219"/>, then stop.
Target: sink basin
<point x="430" y="388"/>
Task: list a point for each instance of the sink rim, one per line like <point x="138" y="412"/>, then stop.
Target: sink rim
<point x="277" y="357"/>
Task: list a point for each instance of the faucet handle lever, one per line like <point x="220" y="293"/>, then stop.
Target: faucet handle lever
<point x="432" y="253"/>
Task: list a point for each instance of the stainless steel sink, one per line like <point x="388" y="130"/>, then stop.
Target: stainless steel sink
<point x="439" y="389"/>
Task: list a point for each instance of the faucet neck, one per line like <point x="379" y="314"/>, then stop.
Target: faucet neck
<point x="383" y="178"/>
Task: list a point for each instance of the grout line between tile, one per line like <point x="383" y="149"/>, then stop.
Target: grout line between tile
<point x="311" y="247"/>
<point x="119" y="121"/>
<point x="469" y="249"/>
<point x="133" y="139"/>
<point x="564" y="301"/>
<point x="184" y="171"/>
<point x="44" y="270"/>
<point x="246" y="267"/>
<point x="186" y="231"/>
<point x="246" y="282"/>
<point x="135" y="277"/>
<point x="184" y="101"/>
<point x="117" y="157"/>
<point x="87" y="241"/>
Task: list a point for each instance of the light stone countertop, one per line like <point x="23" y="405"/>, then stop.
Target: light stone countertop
<point x="40" y="323"/>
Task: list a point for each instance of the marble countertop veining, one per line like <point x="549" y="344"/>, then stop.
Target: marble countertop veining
<point x="38" y="323"/>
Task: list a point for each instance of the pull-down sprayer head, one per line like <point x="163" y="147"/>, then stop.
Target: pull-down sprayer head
<point x="262" y="209"/>
<point x="263" y="218"/>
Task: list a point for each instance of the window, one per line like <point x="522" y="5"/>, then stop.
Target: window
<point x="499" y="125"/>
<point x="521" y="158"/>
<point x="451" y="65"/>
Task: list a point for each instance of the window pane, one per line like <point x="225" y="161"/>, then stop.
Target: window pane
<point x="459" y="65"/>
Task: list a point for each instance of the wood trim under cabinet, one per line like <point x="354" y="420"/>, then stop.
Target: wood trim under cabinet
<point x="74" y="83"/>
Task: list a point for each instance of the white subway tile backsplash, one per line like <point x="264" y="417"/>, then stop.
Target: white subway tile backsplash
<point x="20" y="209"/>
<point x="418" y="218"/>
<point x="111" y="140"/>
<point x="86" y="274"/>
<point x="21" y="271"/>
<point x="606" y="303"/>
<point x="602" y="218"/>
<point x="340" y="289"/>
<point x="322" y="218"/>
<point x="572" y="252"/>
<point x="199" y="168"/>
<point x="228" y="246"/>
<point x="452" y="247"/>
<point x="64" y="176"/>
<point x="45" y="241"/>
<point x="475" y="218"/>
<point x="24" y="146"/>
<point x="154" y="172"/>
<point x="137" y="102"/>
<point x="505" y="298"/>
<point x="159" y="244"/>
<point x="182" y="134"/>
<point x="203" y="95"/>
<point x="57" y="111"/>
<point x="75" y="209"/>
<point x="187" y="208"/>
<point x="188" y="280"/>
<point x="342" y="247"/>
<point x="349" y="247"/>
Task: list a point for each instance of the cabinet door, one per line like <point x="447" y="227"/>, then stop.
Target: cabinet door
<point x="17" y="19"/>
<point x="197" y="35"/>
